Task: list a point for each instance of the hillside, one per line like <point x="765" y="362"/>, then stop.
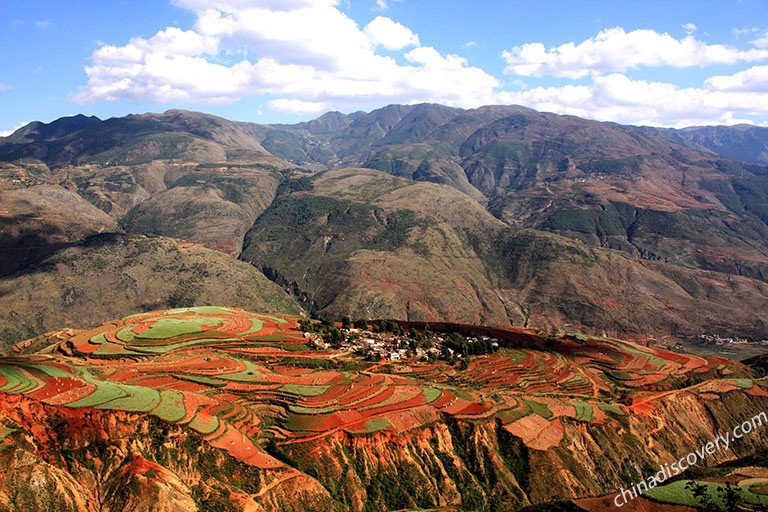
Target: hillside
<point x="741" y="142"/>
<point x="133" y="139"/>
<point x="497" y="215"/>
<point x="109" y="275"/>
<point x="376" y="246"/>
<point x="222" y="409"/>
<point x="650" y="194"/>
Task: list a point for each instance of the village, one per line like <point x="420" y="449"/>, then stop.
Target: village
<point x="386" y="340"/>
<point x="716" y="339"/>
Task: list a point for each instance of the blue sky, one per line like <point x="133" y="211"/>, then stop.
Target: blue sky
<point x="665" y="63"/>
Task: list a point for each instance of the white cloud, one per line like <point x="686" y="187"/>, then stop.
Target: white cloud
<point x="383" y="5"/>
<point x="297" y="106"/>
<point x="754" y="79"/>
<point x="390" y="34"/>
<point x="614" y="50"/>
<point x="307" y="56"/>
<point x="6" y="133"/>
<point x="307" y="53"/>
<point x="4" y="87"/>
<point x="690" y="28"/>
<point x="738" y="32"/>
<point x="618" y="98"/>
<point x="761" y="42"/>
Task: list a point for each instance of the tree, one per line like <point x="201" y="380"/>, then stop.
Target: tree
<point x="334" y="337"/>
<point x="731" y="496"/>
<point x="701" y="493"/>
<point x="346" y="322"/>
<point x="306" y="325"/>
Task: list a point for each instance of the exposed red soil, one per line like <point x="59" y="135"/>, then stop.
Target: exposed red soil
<point x="639" y="504"/>
<point x="536" y="432"/>
<point x="234" y="397"/>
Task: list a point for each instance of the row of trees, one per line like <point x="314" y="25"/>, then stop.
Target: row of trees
<point x="730" y="495"/>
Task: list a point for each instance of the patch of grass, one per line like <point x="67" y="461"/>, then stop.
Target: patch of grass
<point x="5" y="432"/>
<point x="105" y="392"/>
<point x="17" y="381"/>
<point x="99" y="339"/>
<point x="676" y="493"/>
<point x="431" y="394"/>
<point x="204" y="424"/>
<point x="161" y="349"/>
<point x="376" y="424"/>
<point x="298" y="409"/>
<point x="112" y="349"/>
<point x="205" y="310"/>
<point x="138" y="399"/>
<point x="257" y="325"/>
<point x="584" y="411"/>
<point x="49" y="370"/>
<point x="275" y="319"/>
<point x="250" y="374"/>
<point x="200" y="379"/>
<point x="304" y="390"/>
<point x="165" y="328"/>
<point x="171" y="407"/>
<point x="539" y="408"/>
<point x="744" y="383"/>
<point x="612" y="409"/>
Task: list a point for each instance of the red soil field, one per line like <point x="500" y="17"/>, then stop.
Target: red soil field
<point x="236" y="387"/>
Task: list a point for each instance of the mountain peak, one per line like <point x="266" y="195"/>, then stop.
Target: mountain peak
<point x="37" y="131"/>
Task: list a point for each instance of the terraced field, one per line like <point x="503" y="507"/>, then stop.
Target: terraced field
<point x="241" y="379"/>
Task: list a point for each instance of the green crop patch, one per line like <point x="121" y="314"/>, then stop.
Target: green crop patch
<point x="250" y="374"/>
<point x="744" y="383"/>
<point x="170" y="327"/>
<point x="256" y="326"/>
<point x="51" y="371"/>
<point x="616" y="410"/>
<point x="298" y="409"/>
<point x="104" y="393"/>
<point x="204" y="424"/>
<point x="676" y="493"/>
<point x="431" y="394"/>
<point x="539" y="408"/>
<point x="99" y="339"/>
<point x="112" y="349"/>
<point x="304" y="390"/>
<point x="162" y="349"/>
<point x="136" y="399"/>
<point x="203" y="310"/>
<point x="171" y="407"/>
<point x="5" y="432"/>
<point x="376" y="424"/>
<point x="200" y="379"/>
<point x="584" y="411"/>
<point x="17" y="381"/>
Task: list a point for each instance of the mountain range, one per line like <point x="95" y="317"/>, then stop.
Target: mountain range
<point x="499" y="215"/>
<point x="157" y="272"/>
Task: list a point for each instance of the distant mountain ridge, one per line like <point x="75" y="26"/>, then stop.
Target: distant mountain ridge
<point x="742" y="142"/>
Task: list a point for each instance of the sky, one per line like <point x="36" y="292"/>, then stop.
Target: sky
<point x="652" y="62"/>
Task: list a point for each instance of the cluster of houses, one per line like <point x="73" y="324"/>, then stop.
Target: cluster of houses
<point x="716" y="339"/>
<point x="396" y="347"/>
